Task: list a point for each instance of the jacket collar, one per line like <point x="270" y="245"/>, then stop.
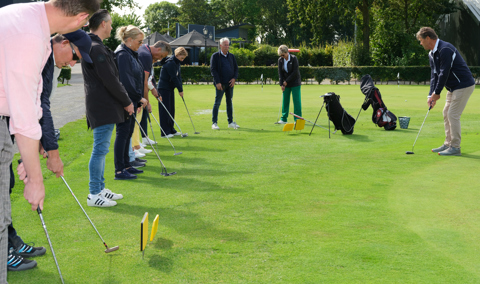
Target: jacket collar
<point x="123" y="47"/>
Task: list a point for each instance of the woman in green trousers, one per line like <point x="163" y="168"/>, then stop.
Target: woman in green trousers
<point x="290" y="82"/>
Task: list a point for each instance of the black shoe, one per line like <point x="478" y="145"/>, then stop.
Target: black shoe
<point x="124" y="175"/>
<point x="18" y="263"/>
<point x="29" y="251"/>
<point x="140" y="160"/>
<point x="134" y="171"/>
<point x="136" y="164"/>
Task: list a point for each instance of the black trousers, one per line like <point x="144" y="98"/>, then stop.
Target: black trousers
<point x="122" y="142"/>
<point x="166" y="122"/>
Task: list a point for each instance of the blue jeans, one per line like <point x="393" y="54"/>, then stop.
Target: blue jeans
<point x="101" y="142"/>
<point x="228" y="91"/>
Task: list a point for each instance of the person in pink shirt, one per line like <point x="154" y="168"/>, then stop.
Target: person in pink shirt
<point x="24" y="50"/>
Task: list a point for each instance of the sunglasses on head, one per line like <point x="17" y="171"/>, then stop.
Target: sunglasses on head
<point x="75" y="56"/>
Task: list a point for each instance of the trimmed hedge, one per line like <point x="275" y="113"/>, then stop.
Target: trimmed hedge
<point x="248" y="74"/>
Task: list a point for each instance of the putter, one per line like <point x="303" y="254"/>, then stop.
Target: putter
<point x="151" y="127"/>
<point x="190" y="116"/>
<point x="39" y="211"/>
<point x="279" y="110"/>
<point x="176" y="153"/>
<point x="164" y="169"/>
<point x="183" y="134"/>
<point x="107" y="250"/>
<point x="411" y="152"/>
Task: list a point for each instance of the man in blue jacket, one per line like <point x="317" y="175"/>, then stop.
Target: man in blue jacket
<point x="224" y="69"/>
<point x="449" y="70"/>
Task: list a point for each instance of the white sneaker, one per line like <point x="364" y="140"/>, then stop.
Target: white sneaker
<point x="168" y="136"/>
<point x="138" y="154"/>
<point x="215" y="126"/>
<point x="145" y="141"/>
<point x="233" y="125"/>
<point x="282" y="122"/>
<point x="99" y="201"/>
<point x="177" y="133"/>
<point x="143" y="145"/>
<point x="107" y="193"/>
<point x="143" y="150"/>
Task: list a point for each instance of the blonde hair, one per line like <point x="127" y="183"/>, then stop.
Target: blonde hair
<point x="129" y="31"/>
<point x="181" y="51"/>
<point x="282" y="49"/>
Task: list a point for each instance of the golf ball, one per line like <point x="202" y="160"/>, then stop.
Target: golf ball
<point x="405" y="100"/>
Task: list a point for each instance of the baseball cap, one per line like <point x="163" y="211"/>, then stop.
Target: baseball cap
<point x="80" y="39"/>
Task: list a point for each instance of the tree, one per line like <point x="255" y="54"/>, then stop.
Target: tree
<point x="195" y="12"/>
<point x="119" y="21"/>
<point x="109" y="4"/>
<point x="159" y="15"/>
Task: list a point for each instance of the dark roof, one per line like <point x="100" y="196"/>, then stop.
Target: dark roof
<point x="474" y="9"/>
<point x="153" y="38"/>
<point x="193" y="38"/>
<point x="241" y="26"/>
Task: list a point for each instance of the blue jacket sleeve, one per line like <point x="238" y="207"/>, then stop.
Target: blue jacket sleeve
<point x="445" y="64"/>
<point x="48" y="140"/>
<point x="433" y="78"/>
<point x="235" y="67"/>
<point x="214" y="67"/>
<point x="125" y="73"/>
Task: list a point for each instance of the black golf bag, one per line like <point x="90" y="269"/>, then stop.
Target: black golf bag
<point x="340" y="118"/>
<point x="381" y="116"/>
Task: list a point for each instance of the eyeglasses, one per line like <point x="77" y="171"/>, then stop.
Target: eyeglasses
<point x="74" y="54"/>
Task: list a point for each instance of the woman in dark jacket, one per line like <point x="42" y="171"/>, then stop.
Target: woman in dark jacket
<point x="170" y="78"/>
<point x="290" y="81"/>
<point x="131" y="75"/>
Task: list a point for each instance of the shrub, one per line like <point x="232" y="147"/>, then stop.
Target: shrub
<point x="243" y="56"/>
<point x="65" y="74"/>
<point x="265" y="55"/>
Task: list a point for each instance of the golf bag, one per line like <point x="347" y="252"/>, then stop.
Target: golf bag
<point x="381" y="116"/>
<point x="340" y="118"/>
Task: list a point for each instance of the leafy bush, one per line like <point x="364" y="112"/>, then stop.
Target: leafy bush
<point x="243" y="56"/>
<point x="65" y="74"/>
<point x="265" y="55"/>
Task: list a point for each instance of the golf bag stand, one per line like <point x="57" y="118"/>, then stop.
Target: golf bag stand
<point x="337" y="114"/>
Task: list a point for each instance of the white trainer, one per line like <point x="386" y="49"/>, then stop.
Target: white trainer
<point x="233" y="125"/>
<point x="99" y="201"/>
<point x="215" y="126"/>
<point x="143" y="150"/>
<point x="281" y="122"/>
<point x="145" y="141"/>
<point x="138" y="154"/>
<point x="168" y="136"/>
<point x="107" y="193"/>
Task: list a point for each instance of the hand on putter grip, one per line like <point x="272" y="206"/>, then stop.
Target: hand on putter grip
<point x="54" y="163"/>
<point x="129" y="109"/>
<point x="180" y="94"/>
<point x="34" y="191"/>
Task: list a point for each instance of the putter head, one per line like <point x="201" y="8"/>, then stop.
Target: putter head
<point x="168" y="174"/>
<point x="197" y="132"/>
<point x="409" y="153"/>
<point x="111" y="249"/>
<point x="177" y="153"/>
<point x="184" y="134"/>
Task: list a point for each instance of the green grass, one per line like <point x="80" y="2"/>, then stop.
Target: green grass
<point x="256" y="205"/>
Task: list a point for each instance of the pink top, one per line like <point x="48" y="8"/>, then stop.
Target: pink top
<point x="24" y="50"/>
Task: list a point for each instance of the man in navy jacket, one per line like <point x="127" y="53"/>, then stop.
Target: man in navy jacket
<point x="449" y="70"/>
<point x="224" y="69"/>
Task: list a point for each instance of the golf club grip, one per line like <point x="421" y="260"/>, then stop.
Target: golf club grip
<point x="39" y="211"/>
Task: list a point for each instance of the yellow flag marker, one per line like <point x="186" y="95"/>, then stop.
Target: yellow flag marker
<point x="299" y="124"/>
<point x="154" y="227"/>
<point x="144" y="232"/>
<point x="288" y="127"/>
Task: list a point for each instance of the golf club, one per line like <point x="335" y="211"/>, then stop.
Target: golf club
<point x="107" y="250"/>
<point x="39" y="211"/>
<point x="190" y="117"/>
<point x="164" y="169"/>
<point x="233" y="111"/>
<point x="297" y="116"/>
<point x="183" y="134"/>
<point x="411" y="152"/>
<point x="279" y="111"/>
<point x="151" y="127"/>
<point x="176" y="153"/>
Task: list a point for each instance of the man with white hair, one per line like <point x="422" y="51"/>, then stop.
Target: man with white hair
<point x="224" y="69"/>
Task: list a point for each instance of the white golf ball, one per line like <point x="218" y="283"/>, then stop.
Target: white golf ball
<point x="405" y="100"/>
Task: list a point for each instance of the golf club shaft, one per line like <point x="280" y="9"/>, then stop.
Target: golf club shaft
<point x="84" y="211"/>
<point x="421" y="127"/>
<point x="189" y="115"/>
<point x="150" y="144"/>
<point x="170" y="115"/>
<point x="164" y="133"/>
<point x="279" y="110"/>
<point x="297" y="116"/>
<point x="151" y="127"/>
<point x="39" y="211"/>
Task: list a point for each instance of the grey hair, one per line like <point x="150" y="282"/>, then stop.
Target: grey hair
<point x="164" y="46"/>
<point x="282" y="49"/>
<point x="224" y="39"/>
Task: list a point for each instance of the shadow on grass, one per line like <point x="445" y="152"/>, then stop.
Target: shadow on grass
<point x="358" y="137"/>
<point x="187" y="184"/>
<point x="184" y="222"/>
<point x="470" y="156"/>
<point x="161" y="263"/>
